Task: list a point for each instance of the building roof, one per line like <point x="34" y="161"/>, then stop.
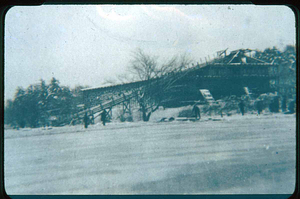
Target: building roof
<point x="236" y="57"/>
<point x="241" y="56"/>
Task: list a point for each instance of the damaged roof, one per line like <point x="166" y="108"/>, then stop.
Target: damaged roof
<point x="241" y="56"/>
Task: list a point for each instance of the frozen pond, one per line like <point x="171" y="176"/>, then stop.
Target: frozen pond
<point x="250" y="154"/>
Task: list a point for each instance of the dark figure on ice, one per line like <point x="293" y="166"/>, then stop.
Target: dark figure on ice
<point x="242" y="107"/>
<point x="103" y="117"/>
<point x="284" y="103"/>
<point x="86" y="120"/>
<point x="292" y="107"/>
<point x="196" y="112"/>
<point x="274" y="105"/>
<point x="259" y="106"/>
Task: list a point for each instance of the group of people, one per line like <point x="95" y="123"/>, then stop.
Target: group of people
<point x="87" y="120"/>
<point x="259" y="106"/>
<point x="274" y="106"/>
<point x="196" y="111"/>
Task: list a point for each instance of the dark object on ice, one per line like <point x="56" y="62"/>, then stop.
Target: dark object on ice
<point x="284" y="104"/>
<point x="288" y="112"/>
<point x="259" y="106"/>
<point x="242" y="107"/>
<point x="196" y="112"/>
<point x="274" y="105"/>
<point x="291" y="107"/>
<point x="86" y="121"/>
<point x="103" y="117"/>
<point x="163" y="119"/>
<point x="216" y="119"/>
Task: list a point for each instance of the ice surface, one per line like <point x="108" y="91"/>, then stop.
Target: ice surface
<point x="250" y="154"/>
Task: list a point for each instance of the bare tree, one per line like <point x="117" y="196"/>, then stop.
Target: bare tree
<point x="143" y="66"/>
<point x="146" y="68"/>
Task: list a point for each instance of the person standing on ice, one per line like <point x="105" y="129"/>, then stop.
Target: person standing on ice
<point x="242" y="107"/>
<point x="196" y="112"/>
<point x="86" y="121"/>
<point x="259" y="106"/>
<point x="103" y="117"/>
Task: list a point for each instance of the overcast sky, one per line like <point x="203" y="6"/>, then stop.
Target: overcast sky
<point x="84" y="45"/>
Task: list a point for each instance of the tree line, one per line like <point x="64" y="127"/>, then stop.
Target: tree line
<point x="40" y="103"/>
<point x="286" y="59"/>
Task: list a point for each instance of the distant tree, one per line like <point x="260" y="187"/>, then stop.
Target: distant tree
<point x="52" y="91"/>
<point x="32" y="106"/>
<point x="9" y="113"/>
<point x="19" y="109"/>
<point x="43" y="103"/>
<point x="287" y="67"/>
<point x="65" y="98"/>
<point x="63" y="102"/>
<point x="143" y="66"/>
<point x="60" y="102"/>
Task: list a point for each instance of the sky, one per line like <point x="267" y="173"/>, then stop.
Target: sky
<point x="90" y="44"/>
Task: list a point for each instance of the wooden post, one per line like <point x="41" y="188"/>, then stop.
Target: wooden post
<point x="109" y="113"/>
<point x="93" y="119"/>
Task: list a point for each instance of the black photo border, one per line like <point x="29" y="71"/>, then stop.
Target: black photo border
<point x="7" y="4"/>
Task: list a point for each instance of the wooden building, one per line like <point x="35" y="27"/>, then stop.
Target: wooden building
<point x="227" y="75"/>
<point x="224" y="76"/>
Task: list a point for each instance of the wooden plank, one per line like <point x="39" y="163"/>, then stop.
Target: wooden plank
<point x="186" y="119"/>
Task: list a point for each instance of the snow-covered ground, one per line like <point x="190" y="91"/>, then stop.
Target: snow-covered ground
<point x="250" y="154"/>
